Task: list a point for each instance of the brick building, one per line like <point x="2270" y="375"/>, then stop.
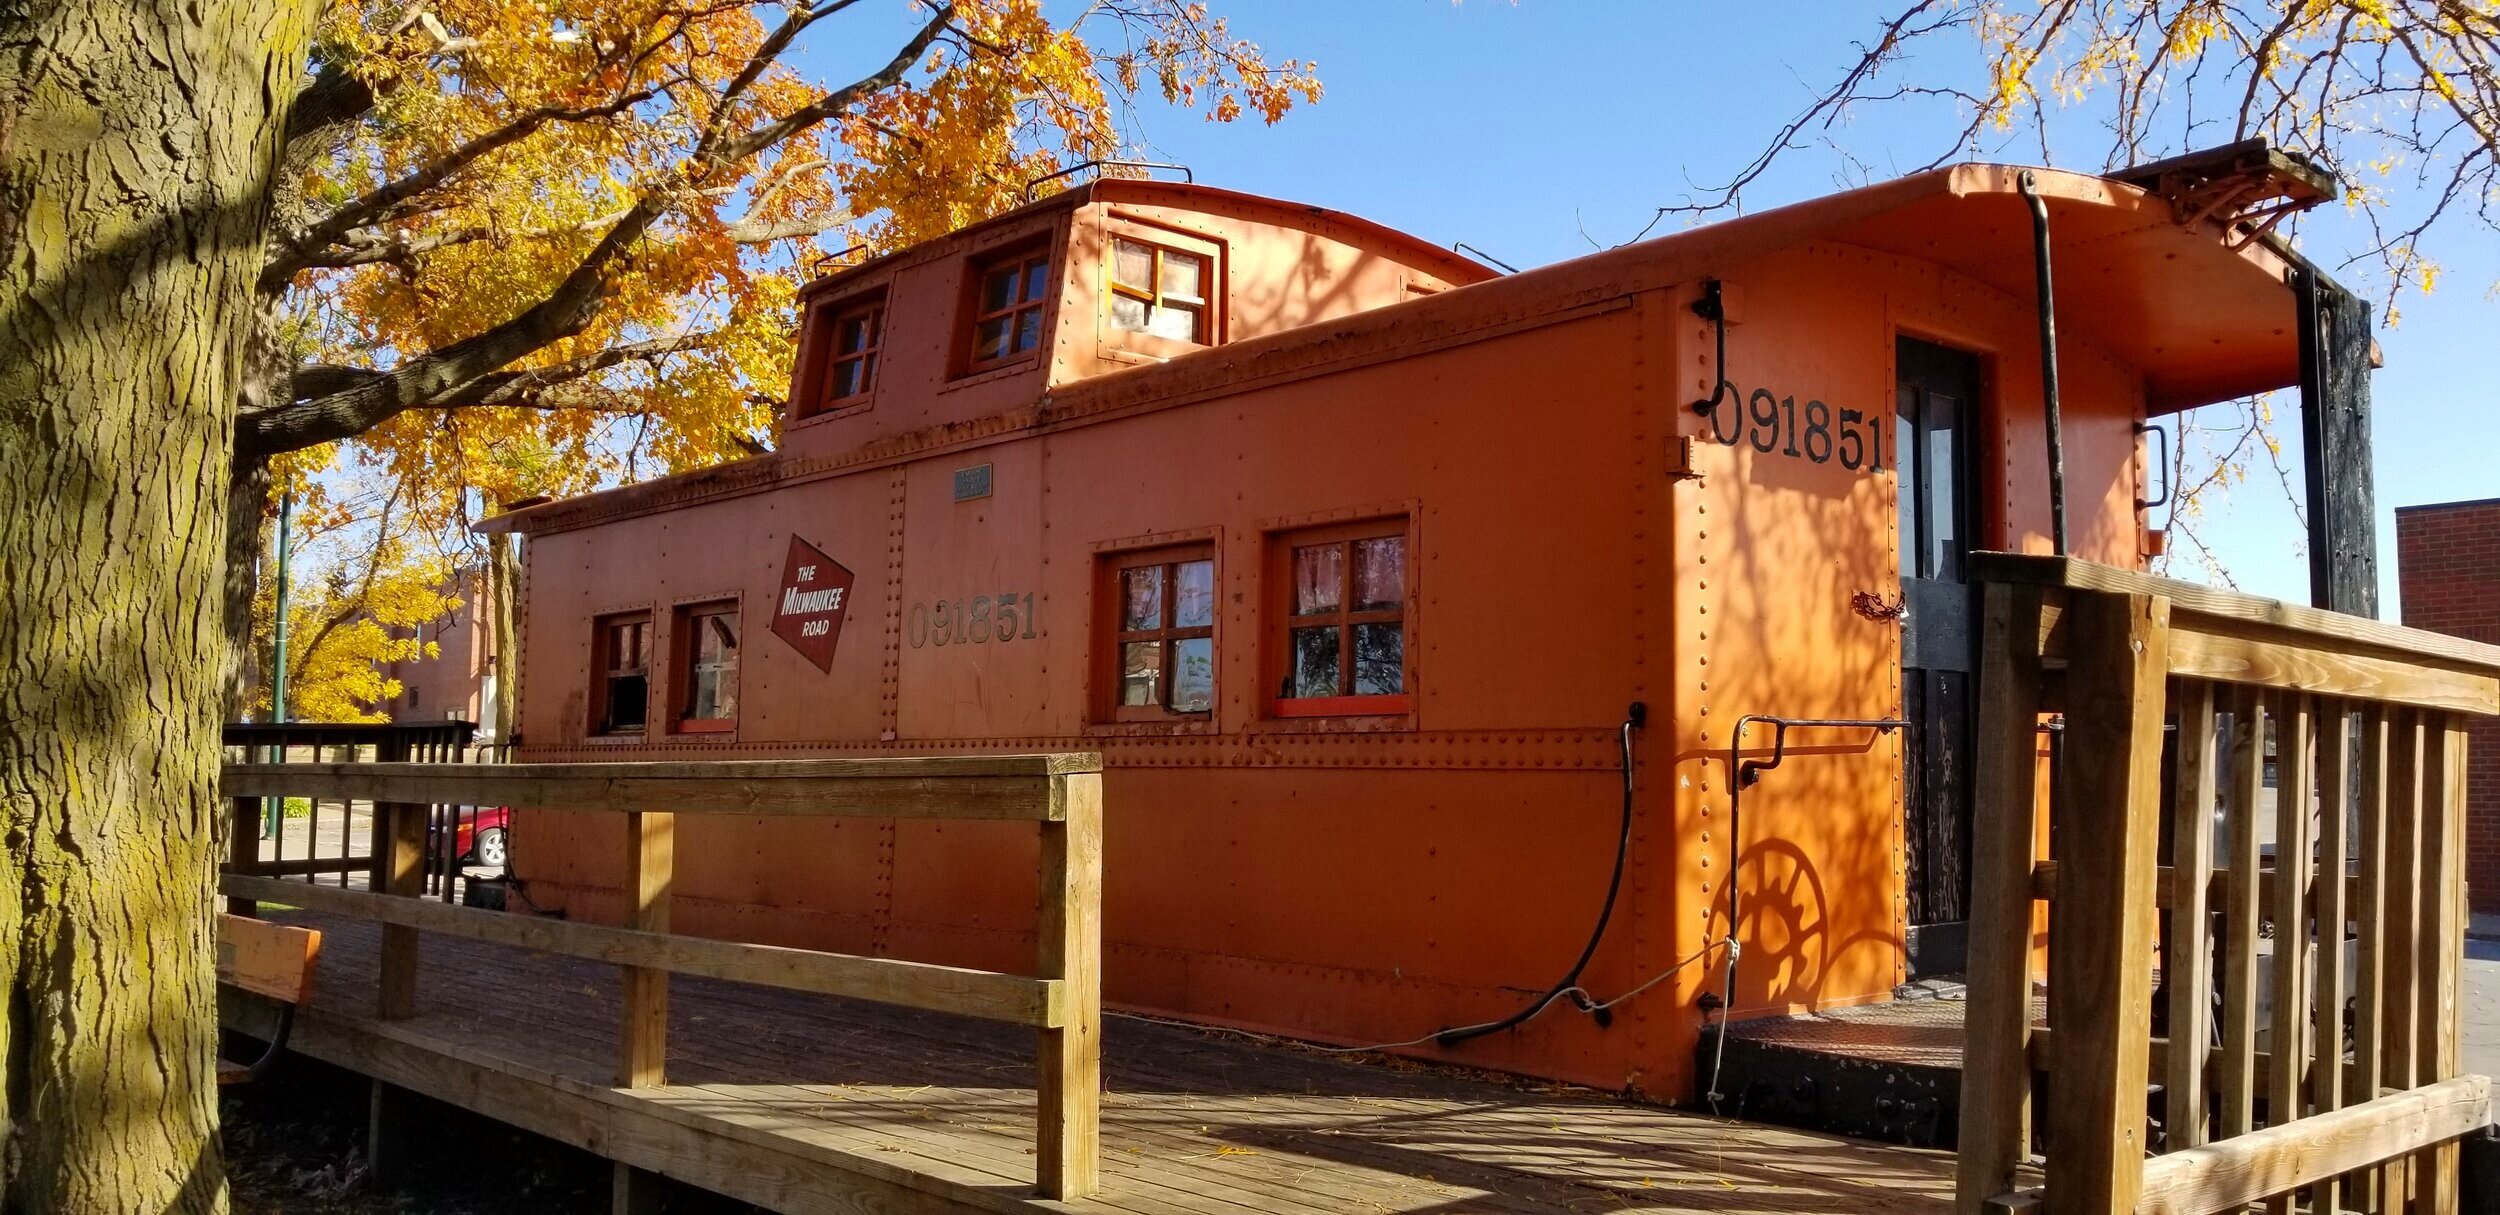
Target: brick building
<point x="458" y="683"/>
<point x="2448" y="566"/>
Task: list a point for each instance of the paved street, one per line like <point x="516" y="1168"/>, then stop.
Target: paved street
<point x="2482" y="1007"/>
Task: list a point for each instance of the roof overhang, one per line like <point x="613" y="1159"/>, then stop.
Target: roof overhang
<point x="2202" y="309"/>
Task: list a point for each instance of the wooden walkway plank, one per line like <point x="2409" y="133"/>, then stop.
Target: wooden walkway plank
<point x="1197" y="1123"/>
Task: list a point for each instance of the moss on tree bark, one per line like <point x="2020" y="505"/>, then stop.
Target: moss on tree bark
<point x="138" y="141"/>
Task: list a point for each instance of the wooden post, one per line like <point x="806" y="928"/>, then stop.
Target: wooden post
<point x="2369" y="1001"/>
<point x="2333" y="913"/>
<point x="242" y="847"/>
<point x="399" y="863"/>
<point x="2188" y="960"/>
<point x="389" y="1141"/>
<point x="2287" y="1069"/>
<point x="2400" y="1017"/>
<point x="1070" y="1065"/>
<point x="633" y="1191"/>
<point x="650" y="862"/>
<point x="1996" y="1073"/>
<point x="2443" y="942"/>
<point x="2102" y="927"/>
<point x="2236" y="1076"/>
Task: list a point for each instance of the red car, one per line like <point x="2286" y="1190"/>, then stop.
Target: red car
<point x="479" y="837"/>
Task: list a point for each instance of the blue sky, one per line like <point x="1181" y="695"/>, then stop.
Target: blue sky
<point x="1529" y="129"/>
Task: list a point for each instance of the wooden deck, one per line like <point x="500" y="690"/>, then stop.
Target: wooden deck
<point x="815" y="1104"/>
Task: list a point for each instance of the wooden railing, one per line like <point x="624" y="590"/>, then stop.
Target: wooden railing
<point x="1062" y="793"/>
<point x="281" y="846"/>
<point x="2266" y="1096"/>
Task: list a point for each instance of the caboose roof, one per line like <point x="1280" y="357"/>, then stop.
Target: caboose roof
<point x="2205" y="314"/>
<point x="1410" y="249"/>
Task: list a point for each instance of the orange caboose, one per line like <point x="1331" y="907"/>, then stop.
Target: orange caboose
<point x="1413" y="608"/>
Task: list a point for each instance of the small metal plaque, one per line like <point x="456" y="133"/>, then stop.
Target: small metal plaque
<point x="973" y="482"/>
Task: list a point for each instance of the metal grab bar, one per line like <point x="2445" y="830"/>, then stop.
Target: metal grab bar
<point x="1082" y="165"/>
<point x="1741" y="773"/>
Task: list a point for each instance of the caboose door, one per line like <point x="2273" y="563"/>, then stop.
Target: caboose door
<point x="1937" y="394"/>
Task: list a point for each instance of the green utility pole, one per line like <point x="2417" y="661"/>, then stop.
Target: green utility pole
<point x="273" y="808"/>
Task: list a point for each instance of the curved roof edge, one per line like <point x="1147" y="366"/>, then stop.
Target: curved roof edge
<point x="2203" y="318"/>
<point x="1451" y="266"/>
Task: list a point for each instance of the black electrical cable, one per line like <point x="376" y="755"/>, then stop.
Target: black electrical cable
<point x="1634" y="718"/>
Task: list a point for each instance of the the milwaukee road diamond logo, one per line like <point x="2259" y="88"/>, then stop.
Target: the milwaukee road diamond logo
<point x="815" y="592"/>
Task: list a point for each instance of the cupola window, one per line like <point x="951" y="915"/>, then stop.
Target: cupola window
<point x="1158" y="291"/>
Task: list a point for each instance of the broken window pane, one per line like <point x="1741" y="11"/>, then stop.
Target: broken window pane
<point x="1193" y="675"/>
<point x="1379" y="659"/>
<point x="1314" y="662"/>
<point x="1318" y="579"/>
<point x="1379" y="574"/>
<point x="1028" y="329"/>
<point x="1128" y="314"/>
<point x="627" y="696"/>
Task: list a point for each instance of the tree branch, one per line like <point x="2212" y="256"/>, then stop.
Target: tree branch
<point x="333" y="97"/>
<point x="296" y="249"/>
<point x="459" y="372"/>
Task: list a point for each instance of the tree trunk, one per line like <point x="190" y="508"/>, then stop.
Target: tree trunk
<point x="247" y="504"/>
<point x="137" y="143"/>
<point x="503" y="577"/>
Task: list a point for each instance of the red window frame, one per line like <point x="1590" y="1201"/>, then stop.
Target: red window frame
<point x="688" y="646"/>
<point x="1163" y="635"/>
<point x="1024" y="296"/>
<point x="870" y="314"/>
<point x="815" y="392"/>
<point x="1344" y="617"/>
<point x="619" y="642"/>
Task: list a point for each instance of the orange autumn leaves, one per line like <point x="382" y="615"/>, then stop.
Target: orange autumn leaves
<point x="585" y="108"/>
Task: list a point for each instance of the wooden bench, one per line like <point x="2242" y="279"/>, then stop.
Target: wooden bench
<point x="273" y="960"/>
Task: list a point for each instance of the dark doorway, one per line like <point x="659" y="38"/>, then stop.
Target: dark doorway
<point x="1937" y="430"/>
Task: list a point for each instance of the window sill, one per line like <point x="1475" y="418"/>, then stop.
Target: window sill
<point x="987" y="372"/>
<point x="1195" y="723"/>
<point x="847" y="407"/>
<point x="1343" y="706"/>
<point x="613" y="740"/>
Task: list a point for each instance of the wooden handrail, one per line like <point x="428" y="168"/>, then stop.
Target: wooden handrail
<point x="1039" y="1003"/>
<point x="1061" y="794"/>
<point x="2272" y="619"/>
<point x="2361" y="724"/>
<point x="2233" y="1173"/>
<point x="1000" y="787"/>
